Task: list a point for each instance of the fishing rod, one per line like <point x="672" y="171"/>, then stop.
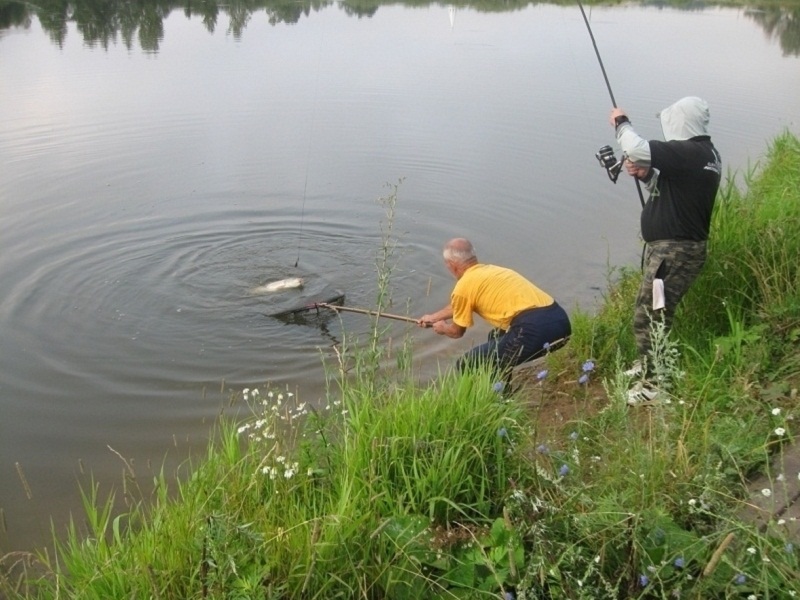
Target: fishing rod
<point x="606" y="154"/>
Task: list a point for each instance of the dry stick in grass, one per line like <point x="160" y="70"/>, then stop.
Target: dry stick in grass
<point x="314" y="539"/>
<point x="712" y="564"/>
<point x="24" y="481"/>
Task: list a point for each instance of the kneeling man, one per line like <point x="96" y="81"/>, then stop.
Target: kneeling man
<point x="526" y="319"/>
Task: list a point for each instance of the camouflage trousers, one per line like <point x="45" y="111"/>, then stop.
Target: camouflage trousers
<point x="677" y="263"/>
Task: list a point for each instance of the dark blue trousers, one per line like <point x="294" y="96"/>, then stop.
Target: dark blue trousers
<point x="529" y="336"/>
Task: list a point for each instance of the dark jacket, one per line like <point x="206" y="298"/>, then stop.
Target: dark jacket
<point x="685" y="172"/>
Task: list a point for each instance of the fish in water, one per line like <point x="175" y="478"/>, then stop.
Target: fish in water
<point x="280" y="285"/>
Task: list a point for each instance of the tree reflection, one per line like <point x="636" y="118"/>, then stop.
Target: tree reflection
<point x="103" y="22"/>
<point x="207" y="11"/>
<point x="14" y="14"/>
<point x="783" y="24"/>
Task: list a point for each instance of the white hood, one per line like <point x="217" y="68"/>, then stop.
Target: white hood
<point x="685" y="119"/>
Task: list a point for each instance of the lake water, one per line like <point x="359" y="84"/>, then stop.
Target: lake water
<point x="147" y="187"/>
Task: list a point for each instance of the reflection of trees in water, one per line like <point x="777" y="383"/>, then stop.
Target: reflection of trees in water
<point x="14" y="14"/>
<point x="783" y="24"/>
<point x="102" y="22"/>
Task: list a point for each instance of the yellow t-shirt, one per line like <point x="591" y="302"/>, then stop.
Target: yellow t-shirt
<point x="497" y="294"/>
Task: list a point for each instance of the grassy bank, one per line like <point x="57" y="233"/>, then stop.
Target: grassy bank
<point x="396" y="488"/>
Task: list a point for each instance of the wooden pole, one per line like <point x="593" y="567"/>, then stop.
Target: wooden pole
<point x="364" y="311"/>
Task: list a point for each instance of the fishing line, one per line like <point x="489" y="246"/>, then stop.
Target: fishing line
<point x="608" y="85"/>
<point x="308" y="152"/>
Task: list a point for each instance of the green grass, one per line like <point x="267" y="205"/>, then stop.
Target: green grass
<point x="405" y="489"/>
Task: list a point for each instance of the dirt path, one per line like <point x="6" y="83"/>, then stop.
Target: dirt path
<point x="557" y="399"/>
<point x="774" y="503"/>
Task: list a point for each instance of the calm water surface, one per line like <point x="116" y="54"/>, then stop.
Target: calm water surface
<point x="144" y="193"/>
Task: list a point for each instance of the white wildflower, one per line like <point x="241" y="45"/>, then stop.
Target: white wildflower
<point x="776" y="411"/>
<point x="766" y="492"/>
<point x="751" y="550"/>
<point x="779" y="431"/>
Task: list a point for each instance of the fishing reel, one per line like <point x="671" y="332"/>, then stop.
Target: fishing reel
<point x="605" y="156"/>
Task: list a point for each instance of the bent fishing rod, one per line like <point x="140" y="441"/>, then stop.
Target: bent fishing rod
<point x="606" y="154"/>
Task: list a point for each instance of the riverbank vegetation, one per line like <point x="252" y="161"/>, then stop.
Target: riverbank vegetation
<point x="398" y="488"/>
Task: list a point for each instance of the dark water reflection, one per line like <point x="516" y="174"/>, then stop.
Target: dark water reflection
<point x="159" y="160"/>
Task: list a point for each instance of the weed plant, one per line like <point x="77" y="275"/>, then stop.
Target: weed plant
<point x="397" y="488"/>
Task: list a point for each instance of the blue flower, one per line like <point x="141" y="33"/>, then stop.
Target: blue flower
<point x="643" y="580"/>
<point x="583" y="379"/>
<point x="541" y="374"/>
<point x="498" y="386"/>
<point x="563" y="470"/>
<point x="588" y="366"/>
<point x="542" y="449"/>
<point x="740" y="579"/>
<point x="502" y="432"/>
<point x="546" y="346"/>
<point x="573" y="436"/>
<point x="509" y="596"/>
<point x="679" y="563"/>
<point x="790" y="548"/>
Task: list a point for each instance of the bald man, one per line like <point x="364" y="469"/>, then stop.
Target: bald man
<point x="526" y="319"/>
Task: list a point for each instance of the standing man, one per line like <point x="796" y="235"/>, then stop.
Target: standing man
<point x="527" y="320"/>
<point x="682" y="175"/>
